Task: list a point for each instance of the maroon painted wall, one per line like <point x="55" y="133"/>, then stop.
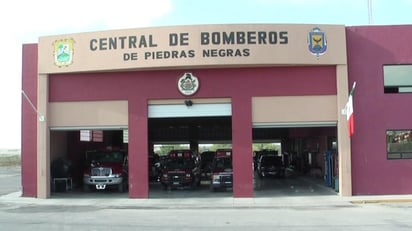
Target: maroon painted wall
<point x="238" y="84"/>
<point x="29" y="122"/>
<point x="369" y="48"/>
<point x="138" y="87"/>
<point x="276" y="81"/>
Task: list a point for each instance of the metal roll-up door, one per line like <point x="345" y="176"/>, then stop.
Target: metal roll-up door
<point x="194" y="110"/>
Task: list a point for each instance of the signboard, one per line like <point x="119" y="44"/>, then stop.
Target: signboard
<point x="193" y="46"/>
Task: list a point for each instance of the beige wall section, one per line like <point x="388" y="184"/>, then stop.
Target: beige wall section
<point x="88" y="114"/>
<point x="344" y="145"/>
<point x="157" y="42"/>
<point x="284" y="109"/>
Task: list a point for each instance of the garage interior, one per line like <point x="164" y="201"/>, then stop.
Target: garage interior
<point x="310" y="169"/>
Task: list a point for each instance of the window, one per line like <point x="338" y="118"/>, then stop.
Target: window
<point x="399" y="144"/>
<point x="91" y="135"/>
<point x="125" y="136"/>
<point x="97" y="136"/>
<point x="397" y="78"/>
<point x="85" y="135"/>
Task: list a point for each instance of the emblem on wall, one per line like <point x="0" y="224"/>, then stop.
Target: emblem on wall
<point x="63" y="52"/>
<point x="188" y="84"/>
<point x="317" y="42"/>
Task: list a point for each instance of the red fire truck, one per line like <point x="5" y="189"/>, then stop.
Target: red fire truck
<point x="222" y="170"/>
<point x="181" y="169"/>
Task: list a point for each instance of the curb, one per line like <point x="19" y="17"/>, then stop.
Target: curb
<point x="382" y="201"/>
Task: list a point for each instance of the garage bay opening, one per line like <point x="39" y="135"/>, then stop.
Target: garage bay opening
<point x="89" y="161"/>
<point x="295" y="161"/>
<point x="190" y="157"/>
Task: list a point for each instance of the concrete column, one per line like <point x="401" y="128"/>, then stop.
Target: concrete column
<point x="344" y="145"/>
<point x="43" y="139"/>
<point x="138" y="149"/>
<point x="242" y="147"/>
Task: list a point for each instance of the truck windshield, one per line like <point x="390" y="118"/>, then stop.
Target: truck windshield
<point x="106" y="157"/>
<point x="223" y="163"/>
<point x="178" y="163"/>
<point x="271" y="160"/>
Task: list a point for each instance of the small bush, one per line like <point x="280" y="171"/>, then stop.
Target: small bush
<point x="10" y="160"/>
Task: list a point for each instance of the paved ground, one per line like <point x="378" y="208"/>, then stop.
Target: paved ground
<point x="323" y="212"/>
<point x="266" y="187"/>
<point x="289" y="204"/>
<point x="10" y="179"/>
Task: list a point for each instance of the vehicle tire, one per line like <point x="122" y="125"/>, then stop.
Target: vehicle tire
<point x="86" y="188"/>
<point x="198" y="182"/>
<point x="120" y="187"/>
<point x="193" y="184"/>
<point x="260" y="175"/>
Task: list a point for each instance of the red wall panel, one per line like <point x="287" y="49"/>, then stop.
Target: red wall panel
<point x="213" y="83"/>
<point x="29" y="122"/>
<point x="369" y="48"/>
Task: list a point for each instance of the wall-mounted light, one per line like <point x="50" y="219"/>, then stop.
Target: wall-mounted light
<point x="188" y="103"/>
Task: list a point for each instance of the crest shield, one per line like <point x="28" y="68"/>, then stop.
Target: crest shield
<point x="63" y="52"/>
<point x="317" y="42"/>
<point x="188" y="84"/>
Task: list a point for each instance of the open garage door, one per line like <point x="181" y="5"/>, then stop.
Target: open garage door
<point x="194" y="120"/>
<point x="190" y="108"/>
<point x="198" y="125"/>
<point x="306" y="128"/>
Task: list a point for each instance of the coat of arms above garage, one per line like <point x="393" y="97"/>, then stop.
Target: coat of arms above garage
<point x="188" y="84"/>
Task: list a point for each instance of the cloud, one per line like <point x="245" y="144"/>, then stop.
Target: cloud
<point x="48" y="17"/>
<point x="23" y="21"/>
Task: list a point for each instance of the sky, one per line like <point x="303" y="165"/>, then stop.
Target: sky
<point x="24" y="21"/>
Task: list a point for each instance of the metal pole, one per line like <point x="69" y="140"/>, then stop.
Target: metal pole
<point x="370" y="18"/>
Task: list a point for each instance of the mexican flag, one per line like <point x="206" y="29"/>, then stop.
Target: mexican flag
<point x="349" y="111"/>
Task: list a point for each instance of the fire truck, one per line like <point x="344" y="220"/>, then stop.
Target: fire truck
<point x="181" y="169"/>
<point x="222" y="170"/>
<point x="106" y="168"/>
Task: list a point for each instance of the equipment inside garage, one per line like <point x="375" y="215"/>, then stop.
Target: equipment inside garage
<point x="302" y="151"/>
<point x="307" y="154"/>
<point x="305" y="165"/>
<point x="73" y="151"/>
<point x="199" y="135"/>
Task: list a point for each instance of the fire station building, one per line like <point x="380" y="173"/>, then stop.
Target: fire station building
<point x="239" y="84"/>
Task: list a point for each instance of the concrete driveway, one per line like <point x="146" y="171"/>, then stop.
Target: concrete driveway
<point x="10" y="179"/>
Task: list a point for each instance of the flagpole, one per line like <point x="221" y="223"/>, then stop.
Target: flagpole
<point x="370" y="21"/>
<point x="353" y="86"/>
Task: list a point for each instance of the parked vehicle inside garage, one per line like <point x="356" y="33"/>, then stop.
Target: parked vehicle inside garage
<point x="181" y="170"/>
<point x="270" y="164"/>
<point x="106" y="168"/>
<point x="222" y="170"/>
